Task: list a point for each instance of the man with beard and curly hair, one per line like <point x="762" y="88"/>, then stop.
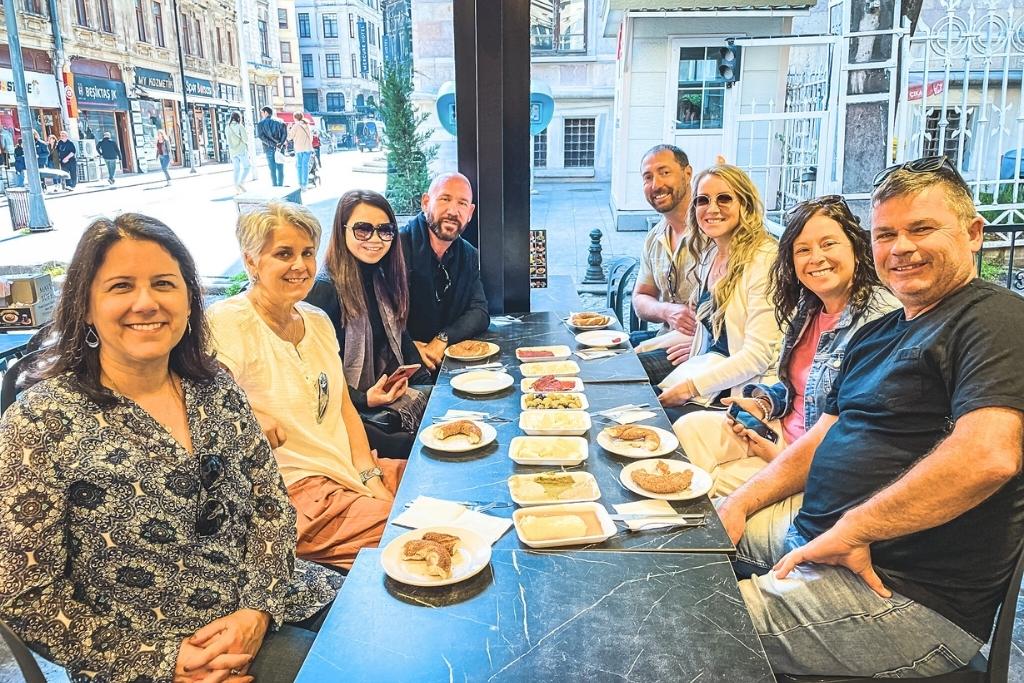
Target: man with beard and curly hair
<point x="446" y="297"/>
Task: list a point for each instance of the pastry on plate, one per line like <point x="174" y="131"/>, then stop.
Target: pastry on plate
<point x="447" y="541"/>
<point x="468" y="348"/>
<point x="438" y="560"/>
<point x="456" y="427"/>
<point x="639" y="437"/>
<point x="588" y="319"/>
<point x="663" y="481"/>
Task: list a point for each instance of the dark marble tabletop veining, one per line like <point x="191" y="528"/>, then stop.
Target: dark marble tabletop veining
<point x="551" y="616"/>
<point x="482" y="475"/>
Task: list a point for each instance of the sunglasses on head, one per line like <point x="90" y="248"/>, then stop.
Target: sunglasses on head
<point x="363" y="231"/>
<point x="212" y="512"/>
<point x="722" y="199"/>
<point x="442" y="282"/>
<point x="940" y="164"/>
<point x="817" y="203"/>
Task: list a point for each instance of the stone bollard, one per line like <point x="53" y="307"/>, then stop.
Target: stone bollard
<point x="594" y="274"/>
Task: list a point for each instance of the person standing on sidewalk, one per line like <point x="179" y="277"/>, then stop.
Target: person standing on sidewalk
<point x="19" y="165"/>
<point x="238" y="149"/>
<point x="273" y="134"/>
<point x="110" y="153"/>
<point x="163" y="153"/>
<point x="66" y="152"/>
<point x="301" y="137"/>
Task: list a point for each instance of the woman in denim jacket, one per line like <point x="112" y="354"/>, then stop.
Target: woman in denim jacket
<point x="824" y="288"/>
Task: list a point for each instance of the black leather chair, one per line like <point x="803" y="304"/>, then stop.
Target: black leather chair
<point x="622" y="275"/>
<point x="26" y="662"/>
<point x="9" y="388"/>
<point x="994" y="669"/>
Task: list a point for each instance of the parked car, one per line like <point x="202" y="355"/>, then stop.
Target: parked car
<point x="369" y="136"/>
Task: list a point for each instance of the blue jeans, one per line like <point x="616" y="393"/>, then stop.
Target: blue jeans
<point x="111" y="168"/>
<point x="241" y="164"/>
<point x="19" y="178"/>
<point x="165" y="162"/>
<point x="824" y="620"/>
<point x="302" y="167"/>
<point x="276" y="170"/>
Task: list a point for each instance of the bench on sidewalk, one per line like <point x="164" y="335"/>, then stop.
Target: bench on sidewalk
<point x="246" y="201"/>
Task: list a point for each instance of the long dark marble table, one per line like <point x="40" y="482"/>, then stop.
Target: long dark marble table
<point x="532" y="616"/>
<point x="482" y="474"/>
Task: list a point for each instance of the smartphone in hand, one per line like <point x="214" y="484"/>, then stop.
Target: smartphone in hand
<point x="751" y="422"/>
<point x="401" y="371"/>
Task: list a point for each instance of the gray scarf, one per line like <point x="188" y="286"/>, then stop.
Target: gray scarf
<point x="358" y="357"/>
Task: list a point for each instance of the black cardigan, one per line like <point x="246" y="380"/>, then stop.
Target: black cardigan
<point x="468" y="315"/>
<point x="325" y="297"/>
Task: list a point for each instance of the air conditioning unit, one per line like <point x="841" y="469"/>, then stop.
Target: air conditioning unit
<point x="86" y="149"/>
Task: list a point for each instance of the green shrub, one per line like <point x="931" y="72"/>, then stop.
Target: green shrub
<point x="237" y="281"/>
<point x="409" y="153"/>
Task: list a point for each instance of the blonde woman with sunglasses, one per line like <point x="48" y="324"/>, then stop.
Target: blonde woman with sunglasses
<point x="737" y="338"/>
<point x="285" y="355"/>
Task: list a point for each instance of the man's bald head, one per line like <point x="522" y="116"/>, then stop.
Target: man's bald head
<point x="448" y="205"/>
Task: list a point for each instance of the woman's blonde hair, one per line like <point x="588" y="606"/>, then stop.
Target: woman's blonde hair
<point x="748" y="236"/>
<point x="255" y="227"/>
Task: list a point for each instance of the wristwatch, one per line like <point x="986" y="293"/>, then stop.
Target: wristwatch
<point x="443" y="336"/>
<point x="367" y="475"/>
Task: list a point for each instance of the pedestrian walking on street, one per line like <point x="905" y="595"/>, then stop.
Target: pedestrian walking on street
<point x="301" y="137"/>
<point x="273" y="134"/>
<point x="19" y="165"/>
<point x="316" y="144"/>
<point x="163" y="153"/>
<point x="238" y="149"/>
<point x="111" y="155"/>
<point x="66" y="152"/>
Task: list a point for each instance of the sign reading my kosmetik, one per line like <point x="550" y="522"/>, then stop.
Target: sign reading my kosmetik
<point x="100" y="93"/>
<point x="199" y="87"/>
<point x="151" y="78"/>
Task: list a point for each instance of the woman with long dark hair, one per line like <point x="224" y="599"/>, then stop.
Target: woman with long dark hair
<point x="824" y="287"/>
<point x="364" y="291"/>
<point x="137" y="482"/>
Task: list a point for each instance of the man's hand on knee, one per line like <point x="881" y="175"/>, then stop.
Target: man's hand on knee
<point x="835" y="548"/>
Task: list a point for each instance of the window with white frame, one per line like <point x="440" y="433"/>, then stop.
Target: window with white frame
<point x="330" y="25"/>
<point x="286" y="52"/>
<point x="303" y="24"/>
<point x="580" y="140"/>
<point x="288" y="86"/>
<point x="264" y="37"/>
<point x="333" y="65"/>
<point x="335" y="101"/>
<point x="282" y="18"/>
<point x="700" y="92"/>
<point x="540" y="149"/>
<point x="307" y="66"/>
<point x="558" y="26"/>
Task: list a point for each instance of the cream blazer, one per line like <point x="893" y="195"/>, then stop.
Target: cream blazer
<point x="754" y="338"/>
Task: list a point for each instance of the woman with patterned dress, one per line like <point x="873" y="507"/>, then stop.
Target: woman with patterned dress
<point x="284" y="354"/>
<point x="145" y="532"/>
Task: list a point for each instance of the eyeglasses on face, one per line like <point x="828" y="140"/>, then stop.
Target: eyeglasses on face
<point x="212" y="512"/>
<point x="940" y="164"/>
<point x="363" y="231"/>
<point x="721" y="200"/>
<point x="817" y="203"/>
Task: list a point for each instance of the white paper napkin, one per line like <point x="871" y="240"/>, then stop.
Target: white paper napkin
<point x="500" y="320"/>
<point x="657" y="507"/>
<point x="631" y="416"/>
<point x="426" y="511"/>
<point x="592" y="355"/>
<point x="453" y="414"/>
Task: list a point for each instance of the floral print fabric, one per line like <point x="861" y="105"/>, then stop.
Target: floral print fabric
<point x="101" y="567"/>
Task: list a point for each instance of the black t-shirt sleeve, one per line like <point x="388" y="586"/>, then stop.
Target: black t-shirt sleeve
<point x="980" y="358"/>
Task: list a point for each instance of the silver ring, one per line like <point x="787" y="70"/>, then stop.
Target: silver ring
<point x="235" y="672"/>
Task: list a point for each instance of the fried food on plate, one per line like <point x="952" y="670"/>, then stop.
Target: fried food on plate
<point x="470" y="347"/>
<point x="665" y="481"/>
<point x="447" y="541"/>
<point x="588" y="319"/>
<point x="438" y="559"/>
<point x="456" y="427"/>
<point x="639" y="437"/>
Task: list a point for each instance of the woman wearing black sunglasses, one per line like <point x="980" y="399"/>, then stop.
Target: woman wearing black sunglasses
<point x="364" y="291"/>
<point x="824" y="288"/>
<point x="147" y="533"/>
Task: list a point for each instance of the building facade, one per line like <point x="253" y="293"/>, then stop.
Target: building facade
<point x="288" y="97"/>
<point x="398" y="32"/>
<point x="340" y="57"/>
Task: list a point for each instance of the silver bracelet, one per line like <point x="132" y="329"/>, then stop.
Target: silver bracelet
<point x="765" y="404"/>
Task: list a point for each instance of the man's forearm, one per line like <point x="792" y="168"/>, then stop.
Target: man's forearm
<point x="955" y="477"/>
<point x="649" y="308"/>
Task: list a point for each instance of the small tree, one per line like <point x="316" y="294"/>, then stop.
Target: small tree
<point x="408" y="151"/>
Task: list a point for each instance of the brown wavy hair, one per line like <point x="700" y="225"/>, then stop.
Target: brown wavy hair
<point x="189" y="359"/>
<point x="788" y="291"/>
<point x="343" y="267"/>
<point x="748" y="236"/>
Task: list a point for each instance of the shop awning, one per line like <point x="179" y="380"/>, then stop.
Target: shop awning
<point x="289" y="117"/>
<point x="151" y="94"/>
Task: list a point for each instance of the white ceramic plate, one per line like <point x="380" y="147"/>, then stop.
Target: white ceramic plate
<point x="558" y="450"/>
<point x="583" y="403"/>
<point x="492" y="349"/>
<point x="584" y="488"/>
<point x="527" y="383"/>
<point x="602" y="338"/>
<point x="700" y="485"/>
<point x="472" y="554"/>
<point x="482" y="381"/>
<point x="609" y="320"/>
<point x="558" y="368"/>
<point x="669" y="443"/>
<point x="607" y="526"/>
<point x="559" y="352"/>
<point x="458" y="443"/>
<point x="554" y="422"/>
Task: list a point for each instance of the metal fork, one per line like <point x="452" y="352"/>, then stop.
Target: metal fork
<point x="661" y="525"/>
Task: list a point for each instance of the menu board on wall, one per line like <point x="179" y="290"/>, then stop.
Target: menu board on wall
<point x="538" y="259"/>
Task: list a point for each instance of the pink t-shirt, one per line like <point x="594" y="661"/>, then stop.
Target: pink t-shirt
<point x="793" y="426"/>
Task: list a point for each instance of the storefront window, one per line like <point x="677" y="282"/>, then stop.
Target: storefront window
<point x="151" y="115"/>
<point x="701" y="90"/>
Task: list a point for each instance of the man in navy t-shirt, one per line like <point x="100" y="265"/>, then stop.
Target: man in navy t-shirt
<point x="894" y="560"/>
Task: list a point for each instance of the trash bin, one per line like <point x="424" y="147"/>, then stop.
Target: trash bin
<point x="1007" y="164"/>
<point x="17" y="202"/>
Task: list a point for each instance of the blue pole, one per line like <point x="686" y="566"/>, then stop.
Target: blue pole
<point x="37" y="218"/>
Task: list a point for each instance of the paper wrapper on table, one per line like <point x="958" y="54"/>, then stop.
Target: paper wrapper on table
<point x="426" y="511"/>
<point x="663" y="341"/>
<point x="654" y="507"/>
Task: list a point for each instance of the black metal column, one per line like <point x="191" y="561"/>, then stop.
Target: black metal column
<point x="492" y="71"/>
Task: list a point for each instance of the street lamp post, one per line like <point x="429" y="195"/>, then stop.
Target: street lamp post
<point x="37" y="218"/>
<point x="186" y="119"/>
